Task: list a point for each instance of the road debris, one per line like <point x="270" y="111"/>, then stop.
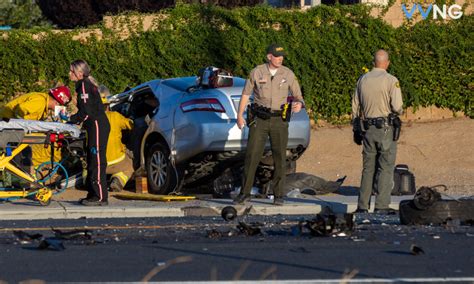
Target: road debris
<point x="214" y="234"/>
<point x="249" y="230"/>
<point x="327" y="224"/>
<point x="51" y="244"/>
<point x="428" y="207"/>
<point x="303" y="183"/>
<point x="229" y="213"/>
<point x="72" y="235"/>
<point x="416" y="250"/>
<point x="25" y="238"/>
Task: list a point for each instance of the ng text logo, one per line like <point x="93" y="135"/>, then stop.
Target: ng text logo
<point x="453" y="11"/>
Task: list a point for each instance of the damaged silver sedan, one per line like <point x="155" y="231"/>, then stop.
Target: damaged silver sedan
<point x="186" y="134"/>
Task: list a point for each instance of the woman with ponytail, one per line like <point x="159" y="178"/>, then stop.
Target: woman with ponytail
<point x="91" y="114"/>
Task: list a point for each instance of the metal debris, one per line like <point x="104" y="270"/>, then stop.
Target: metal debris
<point x="327" y="224"/>
<point x="214" y="234"/>
<point x="416" y="250"/>
<point x="249" y="230"/>
<point x="300" y="250"/>
<point x="428" y="208"/>
<point x="229" y="213"/>
<point x="425" y="197"/>
<point x="24" y="237"/>
<point x="72" y="235"/>
<point x="298" y="229"/>
<point x="51" y="244"/>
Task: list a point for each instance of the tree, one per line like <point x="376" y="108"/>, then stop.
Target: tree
<point x="82" y="13"/>
<point x="21" y="14"/>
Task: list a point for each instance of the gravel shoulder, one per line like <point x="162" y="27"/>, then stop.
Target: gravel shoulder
<point x="438" y="152"/>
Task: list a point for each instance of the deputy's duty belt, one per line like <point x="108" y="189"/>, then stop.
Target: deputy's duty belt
<point x="275" y="113"/>
<point x="378" y="122"/>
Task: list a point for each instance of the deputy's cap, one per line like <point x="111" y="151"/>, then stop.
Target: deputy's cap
<point x="276" y="50"/>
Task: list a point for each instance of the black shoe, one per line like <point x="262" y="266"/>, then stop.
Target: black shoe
<point x="94" y="202"/>
<point x="360" y="210"/>
<point x="278" y="201"/>
<point x="88" y="197"/>
<point x="388" y="211"/>
<point x="241" y="199"/>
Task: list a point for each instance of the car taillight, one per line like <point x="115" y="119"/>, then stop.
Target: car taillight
<point x="202" y="105"/>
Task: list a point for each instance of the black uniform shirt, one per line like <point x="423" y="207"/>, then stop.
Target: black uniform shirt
<point x="89" y="103"/>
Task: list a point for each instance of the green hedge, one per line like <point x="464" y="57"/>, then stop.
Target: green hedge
<point x="328" y="47"/>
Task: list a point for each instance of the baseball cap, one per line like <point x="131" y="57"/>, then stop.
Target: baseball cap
<point x="276" y="50"/>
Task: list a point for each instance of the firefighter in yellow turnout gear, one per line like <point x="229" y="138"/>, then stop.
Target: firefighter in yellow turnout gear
<point x="32" y="106"/>
<point x="119" y="163"/>
<point x="36" y="106"/>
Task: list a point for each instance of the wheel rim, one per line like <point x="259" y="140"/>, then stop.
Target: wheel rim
<point x="158" y="168"/>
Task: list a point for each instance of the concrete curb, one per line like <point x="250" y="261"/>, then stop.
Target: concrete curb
<point x="29" y="210"/>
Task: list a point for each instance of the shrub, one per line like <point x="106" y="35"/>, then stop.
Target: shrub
<point x="328" y="47"/>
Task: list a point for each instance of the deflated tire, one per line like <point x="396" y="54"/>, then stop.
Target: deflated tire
<point x="437" y="213"/>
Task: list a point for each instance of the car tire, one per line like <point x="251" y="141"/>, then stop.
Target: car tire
<point x="161" y="174"/>
<point x="438" y="213"/>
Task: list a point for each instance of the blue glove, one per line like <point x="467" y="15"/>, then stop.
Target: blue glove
<point x="63" y="116"/>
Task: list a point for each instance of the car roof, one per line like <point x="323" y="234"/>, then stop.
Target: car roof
<point x="184" y="83"/>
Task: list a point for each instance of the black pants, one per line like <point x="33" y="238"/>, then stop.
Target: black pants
<point x="97" y="137"/>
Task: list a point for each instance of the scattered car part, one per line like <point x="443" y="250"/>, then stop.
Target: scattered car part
<point x="416" y="250"/>
<point x="427" y="207"/>
<point x="298" y="229"/>
<point x="229" y="213"/>
<point x="71" y="235"/>
<point x="51" y="244"/>
<point x="226" y="184"/>
<point x="214" y="234"/>
<point x="23" y="236"/>
<point x="311" y="184"/>
<point x="328" y="224"/>
<point x="425" y="197"/>
<point x="248" y="229"/>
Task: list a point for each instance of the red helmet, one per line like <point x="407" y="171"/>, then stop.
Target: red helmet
<point x="61" y="94"/>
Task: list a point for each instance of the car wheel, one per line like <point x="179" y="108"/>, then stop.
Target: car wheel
<point x="438" y="213"/>
<point x="160" y="172"/>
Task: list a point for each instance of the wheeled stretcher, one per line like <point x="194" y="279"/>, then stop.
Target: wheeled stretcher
<point x="18" y="134"/>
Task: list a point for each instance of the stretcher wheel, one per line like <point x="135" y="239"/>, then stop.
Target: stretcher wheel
<point x="44" y="196"/>
<point x="44" y="203"/>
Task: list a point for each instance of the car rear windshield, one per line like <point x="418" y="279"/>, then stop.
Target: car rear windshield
<point x="180" y="84"/>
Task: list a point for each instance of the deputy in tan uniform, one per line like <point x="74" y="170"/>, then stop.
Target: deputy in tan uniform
<point x="270" y="84"/>
<point x="376" y="97"/>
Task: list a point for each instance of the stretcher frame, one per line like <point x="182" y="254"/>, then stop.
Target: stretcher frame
<point x="21" y="139"/>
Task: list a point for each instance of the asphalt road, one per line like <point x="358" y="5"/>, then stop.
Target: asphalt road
<point x="203" y="249"/>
